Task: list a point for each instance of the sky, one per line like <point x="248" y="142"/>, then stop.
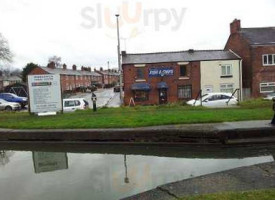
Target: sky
<point x="84" y="32"/>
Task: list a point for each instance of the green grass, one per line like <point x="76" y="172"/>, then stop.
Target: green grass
<point x="249" y="195"/>
<point x="137" y="117"/>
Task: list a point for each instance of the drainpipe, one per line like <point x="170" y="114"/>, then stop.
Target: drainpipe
<point x="241" y="79"/>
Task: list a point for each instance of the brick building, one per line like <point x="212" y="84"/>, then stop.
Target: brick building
<point x="9" y="80"/>
<point x="156" y="78"/>
<point x="109" y="76"/>
<point x="256" y="47"/>
<point x="70" y="78"/>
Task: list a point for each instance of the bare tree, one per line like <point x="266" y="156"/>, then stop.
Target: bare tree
<point x="5" y="53"/>
<point x="56" y="60"/>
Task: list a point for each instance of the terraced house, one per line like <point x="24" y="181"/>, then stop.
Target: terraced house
<point x="70" y="78"/>
<point x="166" y="77"/>
<point x="256" y="46"/>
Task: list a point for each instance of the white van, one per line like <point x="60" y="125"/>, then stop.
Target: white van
<point x="70" y="105"/>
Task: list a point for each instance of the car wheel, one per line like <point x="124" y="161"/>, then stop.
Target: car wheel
<point x="8" y="108"/>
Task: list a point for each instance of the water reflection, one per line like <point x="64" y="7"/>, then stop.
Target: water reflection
<point x="5" y="157"/>
<point x="102" y="176"/>
<point x="49" y="161"/>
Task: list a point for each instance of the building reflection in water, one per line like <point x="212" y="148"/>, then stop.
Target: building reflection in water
<point x="49" y="161"/>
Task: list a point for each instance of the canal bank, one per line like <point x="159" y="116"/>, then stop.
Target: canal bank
<point x="215" y="133"/>
<point x="260" y="176"/>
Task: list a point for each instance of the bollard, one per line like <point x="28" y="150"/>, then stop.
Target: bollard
<point x="273" y="107"/>
<point x="94" y="101"/>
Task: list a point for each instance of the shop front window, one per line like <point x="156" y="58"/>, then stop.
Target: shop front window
<point x="185" y="92"/>
<point x="141" y="95"/>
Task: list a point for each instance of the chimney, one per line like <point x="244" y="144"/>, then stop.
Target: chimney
<point x="64" y="66"/>
<point x="101" y="69"/>
<point x="74" y="67"/>
<point x="235" y="26"/>
<point x="123" y="53"/>
<point x="89" y="69"/>
<point x="82" y="68"/>
<point x="191" y="51"/>
<point x="95" y="69"/>
<point x="51" y="65"/>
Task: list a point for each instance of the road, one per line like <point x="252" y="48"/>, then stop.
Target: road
<point x="105" y="97"/>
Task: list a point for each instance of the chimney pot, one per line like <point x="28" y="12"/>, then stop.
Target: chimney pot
<point x="64" y="66"/>
<point x="74" y="67"/>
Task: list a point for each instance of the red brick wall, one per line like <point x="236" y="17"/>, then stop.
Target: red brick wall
<point x="253" y="71"/>
<point x="261" y="73"/>
<point x="240" y="46"/>
<point x="129" y="77"/>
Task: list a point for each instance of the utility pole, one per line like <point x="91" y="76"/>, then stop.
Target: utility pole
<point x="108" y="73"/>
<point x="119" y="64"/>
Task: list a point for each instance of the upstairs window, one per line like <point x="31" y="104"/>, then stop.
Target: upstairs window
<point x="268" y="59"/>
<point x="140" y="73"/>
<point x="183" y="70"/>
<point x="226" y="71"/>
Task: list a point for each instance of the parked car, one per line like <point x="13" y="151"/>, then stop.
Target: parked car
<point x="92" y="88"/>
<point x="9" y="106"/>
<point x="10" y="97"/>
<point x="270" y="96"/>
<point x="70" y="105"/>
<point x="117" y="88"/>
<point x="215" y="100"/>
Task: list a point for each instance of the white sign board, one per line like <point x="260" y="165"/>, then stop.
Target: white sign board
<point x="49" y="161"/>
<point x="44" y="93"/>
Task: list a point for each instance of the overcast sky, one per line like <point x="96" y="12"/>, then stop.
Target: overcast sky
<point x="83" y="32"/>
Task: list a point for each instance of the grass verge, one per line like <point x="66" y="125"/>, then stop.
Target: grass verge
<point x="139" y="116"/>
<point x="248" y="195"/>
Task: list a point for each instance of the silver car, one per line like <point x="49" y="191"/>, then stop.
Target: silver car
<point x="9" y="106"/>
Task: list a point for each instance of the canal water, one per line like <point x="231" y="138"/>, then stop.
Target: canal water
<point x="46" y="172"/>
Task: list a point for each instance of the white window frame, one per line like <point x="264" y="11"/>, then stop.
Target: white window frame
<point x="267" y="84"/>
<point x="272" y="60"/>
<point x="226" y="87"/>
<point x="230" y="73"/>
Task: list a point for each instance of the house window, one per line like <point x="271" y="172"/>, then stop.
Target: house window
<point x="183" y="70"/>
<point x="185" y="91"/>
<point x="140" y="73"/>
<point x="226" y="71"/>
<point x="227" y="88"/>
<point x="268" y="59"/>
<point x="141" y="95"/>
<point x="267" y="87"/>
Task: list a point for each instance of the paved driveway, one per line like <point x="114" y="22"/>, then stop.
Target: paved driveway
<point x="105" y="97"/>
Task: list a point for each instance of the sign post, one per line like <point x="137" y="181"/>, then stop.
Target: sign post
<point x="44" y="93"/>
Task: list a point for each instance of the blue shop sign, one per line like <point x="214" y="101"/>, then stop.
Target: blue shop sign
<point x="157" y="72"/>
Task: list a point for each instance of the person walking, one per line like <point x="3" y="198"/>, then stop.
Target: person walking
<point x="94" y="101"/>
<point x="273" y="107"/>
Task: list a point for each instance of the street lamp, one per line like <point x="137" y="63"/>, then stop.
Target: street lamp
<point x="119" y="64"/>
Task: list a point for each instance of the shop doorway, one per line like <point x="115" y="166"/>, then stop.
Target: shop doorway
<point x="162" y="96"/>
